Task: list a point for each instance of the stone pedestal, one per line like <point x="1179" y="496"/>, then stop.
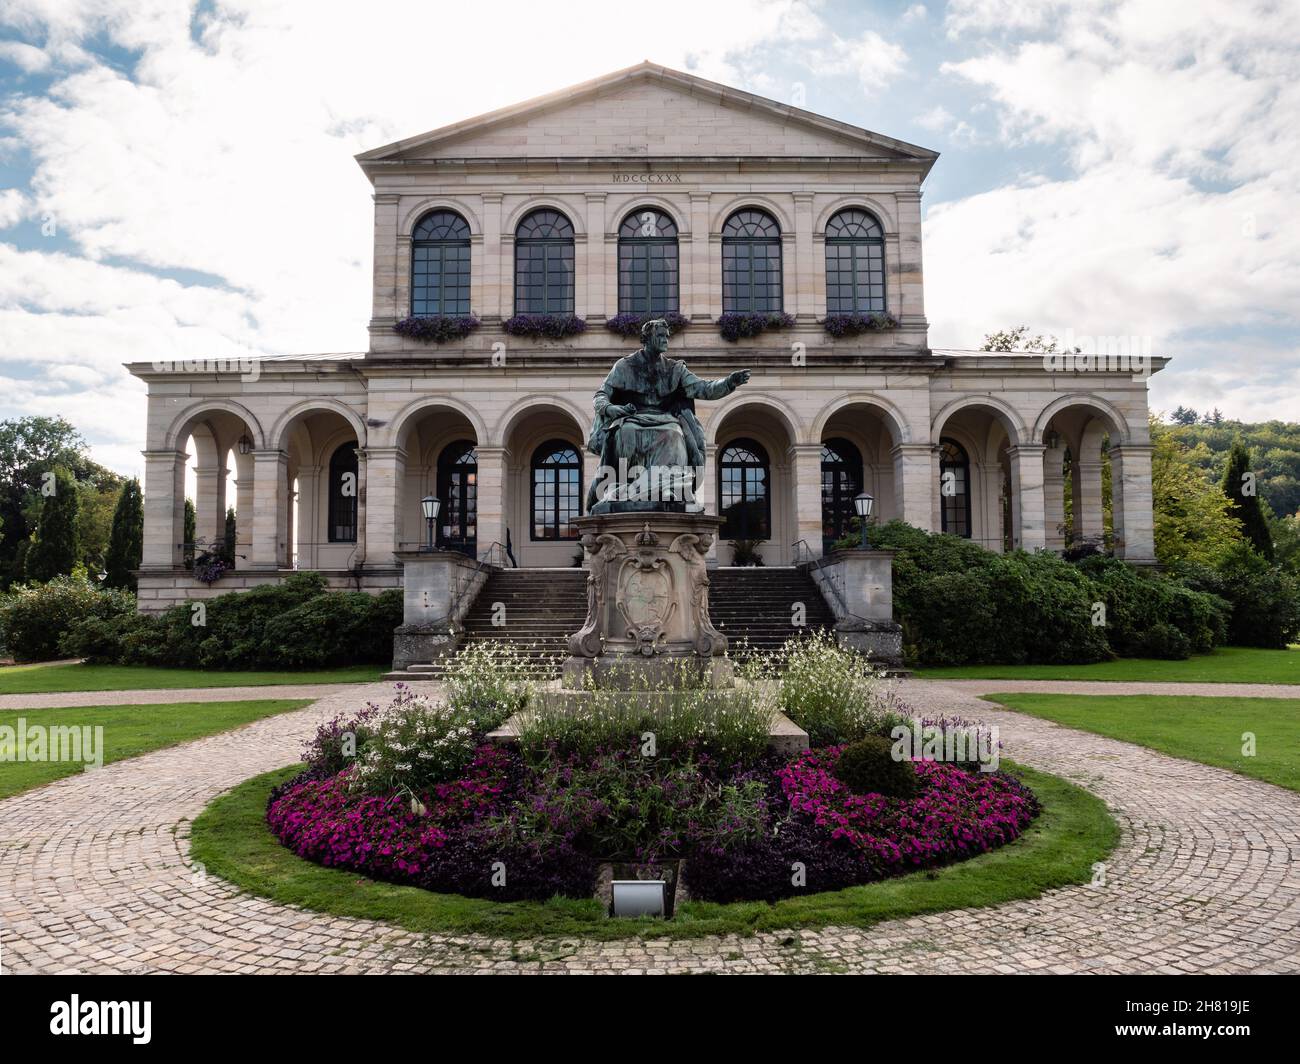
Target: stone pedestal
<point x="647" y="622"/>
<point x="858" y="586"/>
<point x="437" y="586"/>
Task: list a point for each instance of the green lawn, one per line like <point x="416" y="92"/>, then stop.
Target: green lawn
<point x="130" y="731"/>
<point x="39" y="679"/>
<point x="1208" y="730"/>
<point x="231" y="840"/>
<point x="1224" y="665"/>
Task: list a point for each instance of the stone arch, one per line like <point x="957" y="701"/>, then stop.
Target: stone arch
<point x="279" y="434"/>
<point x="573" y="212"/>
<point x="739" y="400"/>
<point x="434" y="203"/>
<point x="631" y="201"/>
<point x="1003" y="411"/>
<point x="894" y="420"/>
<point x="500" y="434"/>
<point x="738" y="203"/>
<point x="391" y="433"/>
<point x="1116" y="424"/>
<point x="885" y="214"/>
<point x="181" y="424"/>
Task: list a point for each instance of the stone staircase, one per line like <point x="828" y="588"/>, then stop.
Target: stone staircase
<point x="752" y="607"/>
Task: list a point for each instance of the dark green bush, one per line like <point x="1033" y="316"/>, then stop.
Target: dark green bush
<point x="293" y="624"/>
<point x="33" y="617"/>
<point x="961" y="604"/>
<point x="1264" y="599"/>
<point x="868" y="767"/>
<point x="1149" y="615"/>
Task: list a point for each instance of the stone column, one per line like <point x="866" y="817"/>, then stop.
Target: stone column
<point x="1131" y="504"/>
<point x="699" y="303"/>
<point x="600" y="272"/>
<point x="312" y="514"/>
<point x="802" y="302"/>
<point x="385" y="473"/>
<point x="492" y="482"/>
<point x="1027" y="506"/>
<point x="270" y="504"/>
<point x="904" y="292"/>
<point x="1054" y="496"/>
<point x="496" y="271"/>
<point x="1085" y="477"/>
<point x="390" y="276"/>
<point x="914" y="489"/>
<point x="243" y="510"/>
<point x="210" y="504"/>
<point x="164" y="509"/>
<point x="806" y="465"/>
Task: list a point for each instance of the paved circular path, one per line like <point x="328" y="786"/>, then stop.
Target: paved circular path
<point x="94" y="877"/>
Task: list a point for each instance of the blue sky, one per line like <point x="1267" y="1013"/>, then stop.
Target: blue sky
<point x="176" y="180"/>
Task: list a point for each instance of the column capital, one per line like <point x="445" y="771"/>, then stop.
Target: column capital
<point x="381" y="452"/>
<point x="157" y="456"/>
<point x="1131" y="448"/>
<point x="912" y="450"/>
<point x="1029" y="450"/>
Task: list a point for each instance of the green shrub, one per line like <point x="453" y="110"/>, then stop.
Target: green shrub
<point x="35" y="616"/>
<point x="833" y="694"/>
<point x="489" y="680"/>
<point x="1149" y="615"/>
<point x="868" y="767"/>
<point x="291" y="625"/>
<point x="414" y="745"/>
<point x="1264" y="599"/>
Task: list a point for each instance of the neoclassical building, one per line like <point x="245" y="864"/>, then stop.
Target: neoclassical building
<point x="647" y="191"/>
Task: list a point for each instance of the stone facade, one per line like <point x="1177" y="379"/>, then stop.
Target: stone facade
<point x="645" y="138"/>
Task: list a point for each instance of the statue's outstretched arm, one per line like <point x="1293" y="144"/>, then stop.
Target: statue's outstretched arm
<point x="698" y="388"/>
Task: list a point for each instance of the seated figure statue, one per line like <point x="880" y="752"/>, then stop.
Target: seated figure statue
<point x="646" y="433"/>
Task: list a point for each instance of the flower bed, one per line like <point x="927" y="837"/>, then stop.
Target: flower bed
<point x="630" y="324"/>
<point x="436" y="329"/>
<point x="415" y="801"/>
<point x="545" y="326"/>
<point x="841" y="325"/>
<point x="735" y="327"/>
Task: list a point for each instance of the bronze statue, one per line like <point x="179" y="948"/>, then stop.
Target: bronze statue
<point x="646" y="433"/>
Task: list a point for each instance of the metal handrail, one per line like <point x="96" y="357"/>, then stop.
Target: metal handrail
<point x="815" y="565"/>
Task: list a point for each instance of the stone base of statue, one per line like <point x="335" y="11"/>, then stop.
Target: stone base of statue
<point x="647" y="622"/>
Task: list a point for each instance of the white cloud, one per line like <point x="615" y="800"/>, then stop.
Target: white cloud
<point x="225" y="148"/>
<point x="13" y="207"/>
<point x="24" y="56"/>
<point x="1177" y="221"/>
<point x="915" y="13"/>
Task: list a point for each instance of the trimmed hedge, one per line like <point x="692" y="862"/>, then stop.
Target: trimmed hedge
<point x="960" y="604"/>
<point x="294" y="624"/>
<point x="1263" y="599"/>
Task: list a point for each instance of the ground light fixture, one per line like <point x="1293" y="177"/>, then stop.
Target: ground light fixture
<point x="639" y="897"/>
<point x="863" y="503"/>
<point x="430" y="505"/>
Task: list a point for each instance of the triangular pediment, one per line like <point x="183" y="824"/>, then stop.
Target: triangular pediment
<point x="649" y="111"/>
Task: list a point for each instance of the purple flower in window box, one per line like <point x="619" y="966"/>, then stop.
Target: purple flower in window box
<point x="545" y="326"/>
<point x="436" y="329"/>
<point x="742" y="326"/>
<point x="841" y="325"/>
<point x="630" y="324"/>
<point x="209" y="567"/>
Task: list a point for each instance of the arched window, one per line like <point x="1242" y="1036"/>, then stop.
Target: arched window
<point x="954" y="489"/>
<point x="751" y="262"/>
<point x="544" y="264"/>
<point x="743" y="502"/>
<point x="440" y="265"/>
<point x="855" y="264"/>
<point x="343" y="488"/>
<point x="841" y="481"/>
<point x="647" y="263"/>
<point x="458" y="490"/>
<point x="557" y="490"/>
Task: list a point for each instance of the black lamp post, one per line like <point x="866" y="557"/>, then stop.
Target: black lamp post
<point x="430" y="506"/>
<point x="863" y="503"/>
